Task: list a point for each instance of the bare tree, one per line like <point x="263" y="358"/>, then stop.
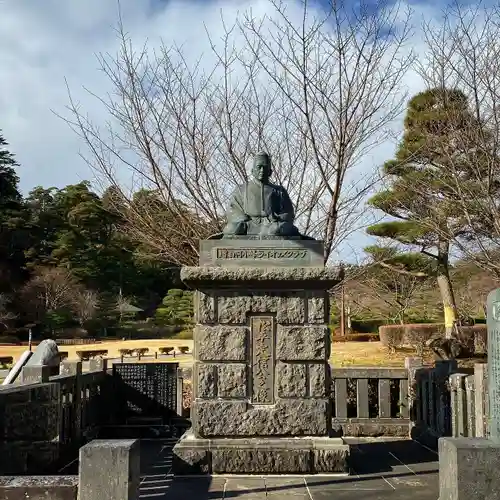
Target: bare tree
<point x="84" y="305"/>
<point x="387" y="293"/>
<point x="317" y="94"/>
<point x="50" y="289"/>
<point x="6" y="316"/>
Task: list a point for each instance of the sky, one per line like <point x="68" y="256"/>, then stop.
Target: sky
<point x="48" y="44"/>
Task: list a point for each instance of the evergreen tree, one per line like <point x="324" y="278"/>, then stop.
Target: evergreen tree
<point x="419" y="198"/>
<point x="176" y="308"/>
<point x="12" y="222"/>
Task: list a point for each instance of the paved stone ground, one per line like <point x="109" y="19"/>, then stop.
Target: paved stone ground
<point x="382" y="469"/>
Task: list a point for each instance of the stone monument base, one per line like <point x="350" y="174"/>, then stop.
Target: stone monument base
<point x="280" y="455"/>
<point x="468" y="469"/>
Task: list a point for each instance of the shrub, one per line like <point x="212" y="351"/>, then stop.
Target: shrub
<point x="185" y="335"/>
<point x="480" y="339"/>
<point x="125" y="352"/>
<point x="391" y="336"/>
<point x="184" y="349"/>
<point x="366" y="326"/>
<point x="140" y="351"/>
<point x="176" y="308"/>
<point x="356" y="337"/>
<point x="72" y="333"/>
<point x="9" y="339"/>
<point x="414" y="335"/>
<point x="86" y="355"/>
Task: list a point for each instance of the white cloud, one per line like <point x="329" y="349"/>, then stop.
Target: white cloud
<point x="44" y="42"/>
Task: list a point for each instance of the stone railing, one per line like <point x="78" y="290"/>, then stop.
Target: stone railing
<point x="430" y="400"/>
<point x="448" y="401"/>
<point x="469" y="402"/>
<point x="47" y="418"/>
<point x="370" y="401"/>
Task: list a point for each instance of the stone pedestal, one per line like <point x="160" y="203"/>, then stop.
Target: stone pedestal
<point x="109" y="469"/>
<point x="468" y="469"/>
<point x="261" y="372"/>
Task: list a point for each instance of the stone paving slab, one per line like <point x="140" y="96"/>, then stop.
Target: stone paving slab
<point x="382" y="469"/>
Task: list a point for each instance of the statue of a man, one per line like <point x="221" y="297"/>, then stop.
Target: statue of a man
<point x="259" y="207"/>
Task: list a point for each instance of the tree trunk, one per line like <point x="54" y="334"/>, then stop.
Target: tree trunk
<point x="446" y="288"/>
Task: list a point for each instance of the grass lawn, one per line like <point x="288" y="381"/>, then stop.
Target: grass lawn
<point x="346" y="354"/>
<point x="113" y="348"/>
<point x="343" y="353"/>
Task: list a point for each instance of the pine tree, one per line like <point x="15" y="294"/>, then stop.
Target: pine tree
<point x="176" y="308"/>
<point x="434" y="150"/>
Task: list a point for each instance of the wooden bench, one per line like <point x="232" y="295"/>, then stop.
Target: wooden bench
<point x="6" y="360"/>
<point x="87" y="355"/>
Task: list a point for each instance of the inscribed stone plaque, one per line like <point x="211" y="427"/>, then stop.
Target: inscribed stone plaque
<point x="261" y="253"/>
<point x="493" y="321"/>
<point x="262" y="328"/>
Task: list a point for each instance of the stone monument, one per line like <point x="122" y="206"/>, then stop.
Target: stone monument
<point x="261" y="344"/>
<point x="468" y="467"/>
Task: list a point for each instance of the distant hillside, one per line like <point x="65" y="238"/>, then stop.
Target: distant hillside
<point x="386" y="296"/>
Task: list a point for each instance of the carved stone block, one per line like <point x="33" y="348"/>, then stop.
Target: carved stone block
<point x="317" y="310"/>
<point x="205" y="380"/>
<point x="294" y="417"/>
<point x="283" y="455"/>
<point x="221" y="343"/>
<point x="301" y="343"/>
<point x="291" y="309"/>
<point x="232" y="380"/>
<point x="204" y="308"/>
<point x="291" y="380"/>
<point x="318" y="380"/>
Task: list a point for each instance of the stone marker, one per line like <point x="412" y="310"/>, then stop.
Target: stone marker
<point x="109" y="469"/>
<point x="45" y="354"/>
<point x="261" y="372"/>
<point x="493" y="324"/>
<point x="469" y="467"/>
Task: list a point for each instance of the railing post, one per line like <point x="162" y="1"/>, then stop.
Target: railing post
<point x="109" y="469"/>
<point x="469" y="409"/>
<point x="458" y="405"/>
<point x="98" y="364"/>
<point x="413" y="364"/>
<point x="443" y="369"/>
<point x="35" y="373"/>
<point x="75" y="369"/>
<point x="180" y="391"/>
<point x="481" y="406"/>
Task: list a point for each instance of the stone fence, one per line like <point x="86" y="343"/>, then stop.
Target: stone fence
<point x="47" y="418"/>
<point x="448" y="401"/>
<point x="370" y="401"/>
<point x="469" y="402"/>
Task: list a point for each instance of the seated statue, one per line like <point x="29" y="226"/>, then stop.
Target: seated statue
<point x="259" y="207"/>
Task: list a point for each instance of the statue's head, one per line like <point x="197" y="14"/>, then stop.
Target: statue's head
<point x="261" y="169"/>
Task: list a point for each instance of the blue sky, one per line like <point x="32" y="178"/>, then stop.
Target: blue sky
<point x="44" y="42"/>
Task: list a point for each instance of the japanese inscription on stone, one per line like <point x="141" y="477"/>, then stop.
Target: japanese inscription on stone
<point x="262" y="328"/>
<point x="493" y="320"/>
<point x="260" y="253"/>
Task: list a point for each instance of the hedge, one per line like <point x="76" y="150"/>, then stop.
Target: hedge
<point x="413" y="335"/>
<point x="356" y="337"/>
